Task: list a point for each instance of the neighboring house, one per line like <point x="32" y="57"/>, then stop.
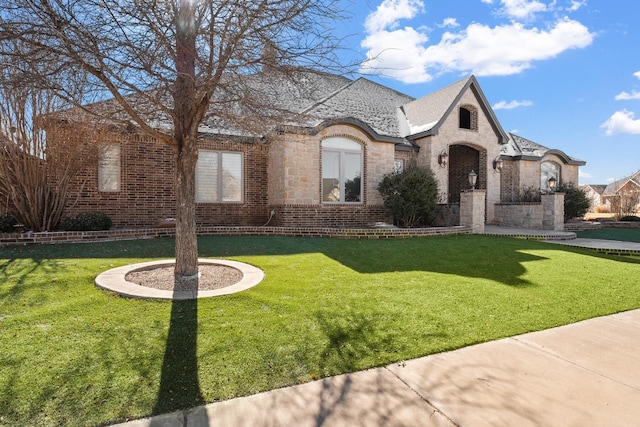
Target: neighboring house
<point x="627" y="189"/>
<point x="323" y="168"/>
<point x="594" y="193"/>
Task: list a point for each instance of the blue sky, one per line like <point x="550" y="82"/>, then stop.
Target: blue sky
<point x="563" y="73"/>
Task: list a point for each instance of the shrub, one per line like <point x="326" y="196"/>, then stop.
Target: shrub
<point x="631" y="218"/>
<point x="602" y="209"/>
<point x="411" y="195"/>
<point x="7" y="223"/>
<point x="87" y="221"/>
<point x="576" y="202"/>
<point x="529" y="194"/>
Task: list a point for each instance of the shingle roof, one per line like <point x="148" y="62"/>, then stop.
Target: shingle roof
<point x="364" y="100"/>
<point x="519" y="147"/>
<point x="613" y="188"/>
<point x="424" y="113"/>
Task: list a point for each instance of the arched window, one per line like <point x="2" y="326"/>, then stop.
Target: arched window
<point x="468" y="116"/>
<point x="341" y="171"/>
<point x="547" y="171"/>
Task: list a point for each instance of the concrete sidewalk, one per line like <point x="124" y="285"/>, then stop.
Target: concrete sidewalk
<point x="584" y="374"/>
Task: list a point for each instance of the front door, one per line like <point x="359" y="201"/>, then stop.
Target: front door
<point x="462" y="160"/>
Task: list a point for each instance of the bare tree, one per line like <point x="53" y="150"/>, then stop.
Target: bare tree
<point x="170" y="64"/>
<point x="36" y="178"/>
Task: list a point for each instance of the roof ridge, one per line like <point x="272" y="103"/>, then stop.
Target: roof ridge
<point x="328" y="97"/>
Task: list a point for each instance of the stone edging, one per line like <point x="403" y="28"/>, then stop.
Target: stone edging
<point x="152" y="233"/>
<point x="114" y="280"/>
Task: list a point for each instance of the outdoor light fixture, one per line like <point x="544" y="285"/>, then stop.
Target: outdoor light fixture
<point x="473" y="177"/>
<point x="552" y="184"/>
<point x="498" y="163"/>
<point x="443" y="158"/>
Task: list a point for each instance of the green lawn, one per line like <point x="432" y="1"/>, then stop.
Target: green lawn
<point x="72" y="354"/>
<point x="624" y="234"/>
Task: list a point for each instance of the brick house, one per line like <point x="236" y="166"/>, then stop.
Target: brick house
<point x="625" y="190"/>
<point x="323" y="168"/>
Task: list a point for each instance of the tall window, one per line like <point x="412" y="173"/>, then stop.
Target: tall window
<point x="548" y="170"/>
<point x="341" y="171"/>
<point x="109" y="168"/>
<point x="218" y="177"/>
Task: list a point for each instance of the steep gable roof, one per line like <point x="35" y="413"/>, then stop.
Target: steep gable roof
<point x="613" y="188"/>
<point x="598" y="188"/>
<point x="425" y="115"/>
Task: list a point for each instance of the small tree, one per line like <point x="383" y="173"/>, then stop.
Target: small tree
<point x="411" y="195"/>
<point x="625" y="203"/>
<point x="35" y="178"/>
<point x="576" y="202"/>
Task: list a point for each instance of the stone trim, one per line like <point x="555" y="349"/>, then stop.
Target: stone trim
<point x="15" y="239"/>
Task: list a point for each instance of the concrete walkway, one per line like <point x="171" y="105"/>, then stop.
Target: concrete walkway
<point x="584" y="374"/>
<point x="567" y="238"/>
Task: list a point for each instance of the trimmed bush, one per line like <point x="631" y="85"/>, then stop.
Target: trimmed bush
<point x="576" y="202"/>
<point x="87" y="221"/>
<point x="8" y="223"/>
<point x="411" y="196"/>
<point x="631" y="218"/>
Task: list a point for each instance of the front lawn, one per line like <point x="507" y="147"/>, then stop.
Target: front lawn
<point x="608" y="233"/>
<point x="72" y="354"/>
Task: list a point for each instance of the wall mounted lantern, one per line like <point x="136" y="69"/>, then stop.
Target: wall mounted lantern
<point x="498" y="163"/>
<point x="473" y="177"/>
<point x="552" y="184"/>
<point x="443" y="159"/>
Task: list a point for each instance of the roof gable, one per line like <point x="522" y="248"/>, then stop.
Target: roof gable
<point x="425" y="115"/>
<point x="614" y="187"/>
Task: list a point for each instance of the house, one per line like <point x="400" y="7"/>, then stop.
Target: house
<point x="622" y="195"/>
<point x="594" y="193"/>
<point x="321" y="166"/>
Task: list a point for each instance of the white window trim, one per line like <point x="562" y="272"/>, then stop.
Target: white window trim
<point x="109" y="166"/>
<point x="342" y="152"/>
<point x="220" y="180"/>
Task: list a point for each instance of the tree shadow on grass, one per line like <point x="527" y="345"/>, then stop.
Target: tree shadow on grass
<point x="179" y="382"/>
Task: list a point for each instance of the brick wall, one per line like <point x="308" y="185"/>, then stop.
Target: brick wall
<point x="147" y="192"/>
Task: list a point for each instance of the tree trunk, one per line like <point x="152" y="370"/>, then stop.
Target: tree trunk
<point x="186" y="138"/>
<point x="186" y="238"/>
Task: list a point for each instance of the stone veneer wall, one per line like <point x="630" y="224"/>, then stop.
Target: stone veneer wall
<point x="521" y="215"/>
<point x="329" y="215"/>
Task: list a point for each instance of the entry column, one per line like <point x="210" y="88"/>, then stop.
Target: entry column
<point x="472" y="210"/>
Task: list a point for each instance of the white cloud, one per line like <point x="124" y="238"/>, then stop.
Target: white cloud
<point x="504" y="105"/>
<point x="522" y="9"/>
<point x="397" y="54"/>
<point x="404" y="53"/>
<point x="389" y="12"/>
<point x="449" y="22"/>
<point x="625" y="96"/>
<point x="621" y="122"/>
<point x="575" y="5"/>
<point x="505" y="49"/>
<point x="583" y="174"/>
<point x="637" y="74"/>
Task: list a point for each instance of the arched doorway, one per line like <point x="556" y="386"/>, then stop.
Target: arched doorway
<point x="462" y="160"/>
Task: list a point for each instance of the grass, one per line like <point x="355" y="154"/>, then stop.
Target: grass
<point x="607" y="233"/>
<point x="72" y="354"/>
